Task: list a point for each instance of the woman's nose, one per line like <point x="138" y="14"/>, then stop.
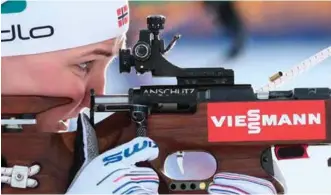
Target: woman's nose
<point x="96" y="82"/>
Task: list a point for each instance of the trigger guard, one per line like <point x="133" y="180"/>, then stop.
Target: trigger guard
<point x="266" y="162"/>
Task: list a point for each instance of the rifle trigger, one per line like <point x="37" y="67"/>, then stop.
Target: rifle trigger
<point x="180" y="161"/>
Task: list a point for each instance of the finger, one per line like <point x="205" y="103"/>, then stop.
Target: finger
<point x="126" y="188"/>
<point x="137" y="176"/>
<point x="244" y="183"/>
<point x="145" y="177"/>
<point x="6" y="171"/>
<point x="125" y="185"/>
<point x="32" y="183"/>
<point x="103" y="179"/>
<point x="137" y="150"/>
<point x="5" y="179"/>
<point x="135" y="190"/>
<point x="34" y="170"/>
<point x="145" y="192"/>
<point x="224" y="189"/>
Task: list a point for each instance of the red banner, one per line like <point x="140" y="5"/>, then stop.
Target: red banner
<point x="266" y="121"/>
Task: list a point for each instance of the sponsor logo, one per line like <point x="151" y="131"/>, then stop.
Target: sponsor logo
<point x="127" y="152"/>
<point x="173" y="91"/>
<point x="12" y="7"/>
<point x="17" y="32"/>
<point x="254" y="120"/>
<point x="263" y="121"/>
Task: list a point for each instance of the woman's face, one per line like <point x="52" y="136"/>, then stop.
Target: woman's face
<point x="67" y="73"/>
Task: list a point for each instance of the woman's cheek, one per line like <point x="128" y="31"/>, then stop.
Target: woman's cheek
<point x="74" y="88"/>
<point x="65" y="85"/>
<point x="62" y="82"/>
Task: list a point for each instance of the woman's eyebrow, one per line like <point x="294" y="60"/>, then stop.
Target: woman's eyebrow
<point x="99" y="51"/>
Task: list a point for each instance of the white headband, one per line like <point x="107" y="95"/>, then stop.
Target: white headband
<point x="45" y="26"/>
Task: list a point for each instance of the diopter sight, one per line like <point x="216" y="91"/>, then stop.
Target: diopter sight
<point x="148" y="51"/>
<point x="147" y="55"/>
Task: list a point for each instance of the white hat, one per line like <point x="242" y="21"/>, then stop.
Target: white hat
<point x="32" y="27"/>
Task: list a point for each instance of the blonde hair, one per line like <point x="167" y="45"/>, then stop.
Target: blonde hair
<point x="120" y="43"/>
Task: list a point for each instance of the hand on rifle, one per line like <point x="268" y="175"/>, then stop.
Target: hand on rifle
<point x="114" y="171"/>
<point x="231" y="183"/>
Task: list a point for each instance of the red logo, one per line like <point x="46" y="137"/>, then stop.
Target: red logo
<point x="122" y="15"/>
<point x="266" y="121"/>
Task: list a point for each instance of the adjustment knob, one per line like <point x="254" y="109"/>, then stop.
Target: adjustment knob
<point x="125" y="60"/>
<point x="155" y="22"/>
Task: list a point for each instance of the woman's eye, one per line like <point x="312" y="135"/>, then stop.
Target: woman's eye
<point x="85" y="66"/>
<point x="83" y="69"/>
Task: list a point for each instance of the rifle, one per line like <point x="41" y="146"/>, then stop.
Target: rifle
<point x="191" y="116"/>
<point x="176" y="117"/>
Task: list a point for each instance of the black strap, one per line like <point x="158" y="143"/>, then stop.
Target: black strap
<point x="78" y="157"/>
<point x="3" y="164"/>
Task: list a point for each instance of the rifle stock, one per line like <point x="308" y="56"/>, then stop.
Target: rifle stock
<point x="54" y="151"/>
<point x="46" y="149"/>
<point x="28" y="147"/>
<point x="180" y="132"/>
<point x="13" y="105"/>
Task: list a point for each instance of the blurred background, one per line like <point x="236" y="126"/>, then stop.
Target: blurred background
<point x="256" y="39"/>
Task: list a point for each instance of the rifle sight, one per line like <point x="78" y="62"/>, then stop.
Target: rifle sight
<point x="147" y="55"/>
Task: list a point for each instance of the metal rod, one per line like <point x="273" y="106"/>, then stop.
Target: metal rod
<point x="112" y="99"/>
<point x="18" y="121"/>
